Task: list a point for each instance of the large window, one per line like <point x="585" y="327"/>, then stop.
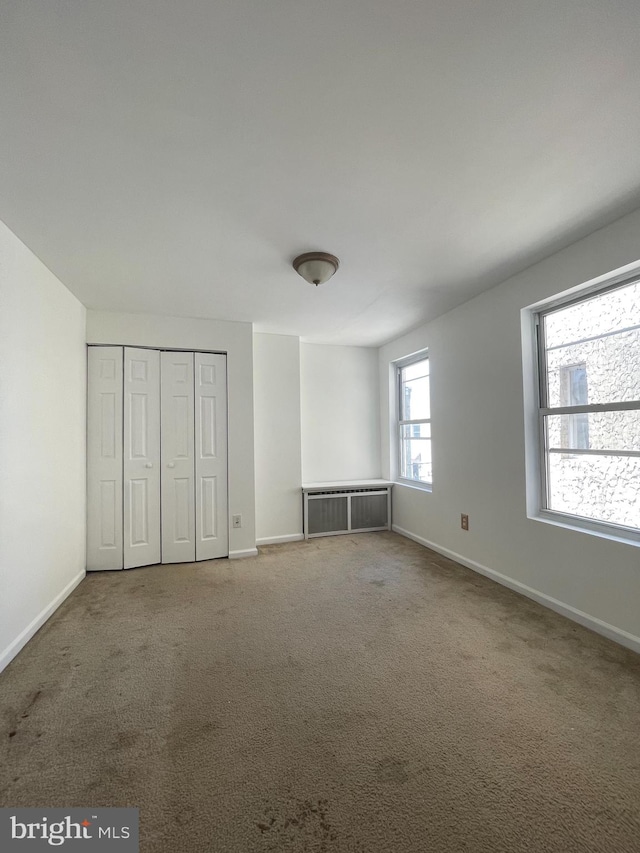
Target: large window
<point x="414" y="420"/>
<point x="589" y="414"/>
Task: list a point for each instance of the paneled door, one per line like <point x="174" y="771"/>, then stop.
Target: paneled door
<point x="212" y="530"/>
<point x="178" y="470"/>
<point x="104" y="458"/>
<point x="156" y="457"/>
<point x="141" y="457"/>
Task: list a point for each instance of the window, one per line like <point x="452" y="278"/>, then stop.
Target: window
<point x="414" y="420"/>
<point x="589" y="412"/>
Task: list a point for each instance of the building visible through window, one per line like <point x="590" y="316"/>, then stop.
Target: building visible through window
<point x="589" y="414"/>
<point x="574" y="391"/>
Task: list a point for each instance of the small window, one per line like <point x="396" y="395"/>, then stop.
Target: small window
<point x="414" y="421"/>
<point x="589" y="413"/>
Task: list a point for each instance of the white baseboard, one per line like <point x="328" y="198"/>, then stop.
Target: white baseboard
<point x="111" y="569"/>
<point x="624" y="638"/>
<point x="240" y="555"/>
<point x="280" y="540"/>
<point x="23" y="638"/>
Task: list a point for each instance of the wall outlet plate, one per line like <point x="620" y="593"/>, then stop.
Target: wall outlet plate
<point x="464" y="521"/>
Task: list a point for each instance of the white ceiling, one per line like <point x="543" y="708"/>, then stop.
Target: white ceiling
<point x="173" y="157"/>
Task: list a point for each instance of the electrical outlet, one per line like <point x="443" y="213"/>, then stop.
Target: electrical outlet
<point x="464" y="521"/>
<point x="237" y="521"/>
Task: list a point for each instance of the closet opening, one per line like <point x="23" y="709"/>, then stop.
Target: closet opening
<point x="157" y="457"/>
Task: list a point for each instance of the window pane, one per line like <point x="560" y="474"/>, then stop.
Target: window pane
<point x="416" y="370"/>
<point x="415" y="431"/>
<point x="594" y="431"/>
<point x="605" y="488"/>
<point x="603" y="370"/>
<point x="414" y="391"/>
<point x="603" y="313"/>
<point x="415" y="458"/>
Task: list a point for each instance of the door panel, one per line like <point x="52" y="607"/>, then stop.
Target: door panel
<point x="104" y="458"/>
<point x="108" y="515"/>
<point x="182" y="509"/>
<point x="178" y="481"/>
<point x="208" y="497"/>
<point x="212" y="526"/>
<point x="139" y="512"/>
<point x="141" y="457"/>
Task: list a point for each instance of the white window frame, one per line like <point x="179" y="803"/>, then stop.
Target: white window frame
<point x="606" y="529"/>
<point x="398" y="365"/>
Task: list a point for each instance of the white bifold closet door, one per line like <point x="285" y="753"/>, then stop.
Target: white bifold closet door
<point x="157" y="457"/>
<point x="194" y="457"/>
<point x="104" y="458"/>
<point x="212" y="529"/>
<point x="178" y="469"/>
<point x="141" y="457"/>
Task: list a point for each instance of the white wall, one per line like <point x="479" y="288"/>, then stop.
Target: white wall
<point x="340" y="413"/>
<point x="42" y="443"/>
<point x="236" y="339"/>
<point x="478" y="445"/>
<point x="276" y="394"/>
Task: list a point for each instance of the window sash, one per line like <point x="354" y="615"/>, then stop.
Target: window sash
<point x="400" y="366"/>
<point x="543" y="414"/>
<point x="618" y="281"/>
<point x="627" y="405"/>
<point x="577" y="451"/>
<point x="403" y="441"/>
<point x="401" y="394"/>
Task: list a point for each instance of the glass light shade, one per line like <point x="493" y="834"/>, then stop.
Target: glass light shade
<point x="316" y="267"/>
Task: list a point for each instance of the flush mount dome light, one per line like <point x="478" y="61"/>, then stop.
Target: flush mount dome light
<point x="316" y="267"/>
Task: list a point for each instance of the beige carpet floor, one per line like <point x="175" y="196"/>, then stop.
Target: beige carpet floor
<point x="354" y="694"/>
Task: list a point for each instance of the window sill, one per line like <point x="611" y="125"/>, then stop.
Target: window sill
<point x="613" y="533"/>
<point x="414" y="484"/>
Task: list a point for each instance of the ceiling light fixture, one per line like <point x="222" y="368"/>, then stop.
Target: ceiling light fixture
<point x="316" y="267"/>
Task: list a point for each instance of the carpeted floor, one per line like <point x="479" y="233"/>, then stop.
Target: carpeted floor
<point x="354" y="694"/>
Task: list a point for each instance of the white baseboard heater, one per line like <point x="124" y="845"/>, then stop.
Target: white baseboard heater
<point x="356" y="506"/>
